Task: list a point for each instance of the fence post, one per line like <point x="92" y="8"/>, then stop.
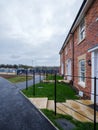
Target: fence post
<point x="26" y="79"/>
<point x="33" y="83"/>
<point x="55" y="93"/>
<point x="94" y="103"/>
<point x="45" y="74"/>
<point x="40" y="76"/>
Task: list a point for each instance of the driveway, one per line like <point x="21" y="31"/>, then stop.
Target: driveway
<point x="17" y="113"/>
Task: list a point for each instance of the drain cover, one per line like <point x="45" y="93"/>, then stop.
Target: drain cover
<point x="40" y="87"/>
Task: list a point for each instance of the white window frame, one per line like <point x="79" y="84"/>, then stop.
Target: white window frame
<point x="82" y="72"/>
<point x="82" y="30"/>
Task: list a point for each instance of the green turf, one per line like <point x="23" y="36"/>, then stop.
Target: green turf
<point x="64" y="91"/>
<point x="51" y="77"/>
<point x="18" y="79"/>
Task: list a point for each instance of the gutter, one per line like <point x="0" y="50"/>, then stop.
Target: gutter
<point x="73" y="59"/>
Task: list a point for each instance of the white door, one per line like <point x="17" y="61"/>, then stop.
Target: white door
<point x="69" y="69"/>
<point x="62" y="69"/>
<point x="94" y="74"/>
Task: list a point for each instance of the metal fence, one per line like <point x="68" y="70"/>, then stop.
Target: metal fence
<point x="54" y="75"/>
<point x="40" y="74"/>
<point x="94" y="80"/>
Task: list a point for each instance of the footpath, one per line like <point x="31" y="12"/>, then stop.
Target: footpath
<point x="17" y="113"/>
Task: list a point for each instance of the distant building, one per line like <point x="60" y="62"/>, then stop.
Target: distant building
<point x="8" y="71"/>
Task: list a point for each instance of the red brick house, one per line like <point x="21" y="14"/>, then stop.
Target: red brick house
<point x="79" y="53"/>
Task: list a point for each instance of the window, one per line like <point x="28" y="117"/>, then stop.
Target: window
<point x="82" y="71"/>
<point x="82" y="31"/>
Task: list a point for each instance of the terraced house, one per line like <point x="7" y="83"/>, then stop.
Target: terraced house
<point x="79" y="53"/>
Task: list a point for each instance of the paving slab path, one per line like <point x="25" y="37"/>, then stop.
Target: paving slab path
<point x="17" y="113"/>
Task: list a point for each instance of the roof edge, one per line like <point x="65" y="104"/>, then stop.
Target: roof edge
<point x="77" y="16"/>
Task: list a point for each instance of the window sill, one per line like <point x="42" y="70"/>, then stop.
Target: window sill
<point x="81" y="41"/>
<point x="82" y="84"/>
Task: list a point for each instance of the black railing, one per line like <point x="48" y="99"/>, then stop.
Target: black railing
<point x="94" y="103"/>
<point x="33" y="83"/>
<point x="55" y="92"/>
<point x="26" y="79"/>
<point x="90" y="93"/>
<point x="54" y="75"/>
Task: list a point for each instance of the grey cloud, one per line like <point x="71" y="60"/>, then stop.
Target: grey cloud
<point x="15" y="56"/>
<point x="34" y="29"/>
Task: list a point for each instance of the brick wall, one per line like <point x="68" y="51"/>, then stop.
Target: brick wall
<point x="90" y="40"/>
<point x="81" y="49"/>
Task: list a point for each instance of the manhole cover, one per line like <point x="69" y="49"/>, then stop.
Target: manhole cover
<point x="65" y="124"/>
<point x="40" y="87"/>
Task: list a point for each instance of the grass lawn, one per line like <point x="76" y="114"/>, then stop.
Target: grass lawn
<point x="79" y="125"/>
<point x="18" y="79"/>
<point x="64" y="91"/>
<point x="51" y="77"/>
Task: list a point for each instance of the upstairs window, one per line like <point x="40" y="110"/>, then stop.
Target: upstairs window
<point x="82" y="30"/>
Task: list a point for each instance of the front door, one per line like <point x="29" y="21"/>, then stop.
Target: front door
<point x="69" y="69"/>
<point x="62" y="69"/>
<point x="94" y="74"/>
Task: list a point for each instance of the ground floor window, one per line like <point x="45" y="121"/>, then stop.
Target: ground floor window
<point x="82" y="71"/>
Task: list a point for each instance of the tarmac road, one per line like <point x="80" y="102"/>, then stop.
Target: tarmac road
<point x="17" y="113"/>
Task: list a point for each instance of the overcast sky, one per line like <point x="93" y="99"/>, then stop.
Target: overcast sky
<point x="33" y="31"/>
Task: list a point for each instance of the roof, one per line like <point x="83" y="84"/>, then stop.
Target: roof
<point x="81" y="13"/>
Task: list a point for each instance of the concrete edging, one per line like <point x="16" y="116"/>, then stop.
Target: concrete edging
<point x="39" y="110"/>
